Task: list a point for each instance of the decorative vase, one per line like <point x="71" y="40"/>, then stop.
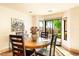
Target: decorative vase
<point x="34" y="37"/>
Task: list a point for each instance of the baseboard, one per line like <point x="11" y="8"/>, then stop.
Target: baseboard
<point x="74" y="51"/>
<point x="63" y="51"/>
<point x="4" y="50"/>
<point x="65" y="47"/>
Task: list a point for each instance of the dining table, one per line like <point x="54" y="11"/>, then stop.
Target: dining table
<point x="39" y="43"/>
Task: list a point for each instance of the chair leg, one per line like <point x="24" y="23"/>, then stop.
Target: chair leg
<point x="34" y="54"/>
<point x="54" y="52"/>
<point x="29" y="52"/>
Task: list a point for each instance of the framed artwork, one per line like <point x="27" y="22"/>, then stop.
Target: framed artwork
<point x="17" y="25"/>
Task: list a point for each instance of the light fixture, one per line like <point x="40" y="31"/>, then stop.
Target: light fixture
<point x="30" y="11"/>
<point x="49" y="10"/>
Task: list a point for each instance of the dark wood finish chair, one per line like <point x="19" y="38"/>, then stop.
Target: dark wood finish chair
<point x="17" y="45"/>
<point x="44" y="34"/>
<point x="52" y="45"/>
<point x="53" y="42"/>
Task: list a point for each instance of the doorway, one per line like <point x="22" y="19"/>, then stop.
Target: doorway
<point x="51" y="26"/>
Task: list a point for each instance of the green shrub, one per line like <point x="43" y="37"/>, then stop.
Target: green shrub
<point x="57" y="26"/>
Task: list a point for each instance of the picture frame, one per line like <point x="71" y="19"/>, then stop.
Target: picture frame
<point x="17" y="25"/>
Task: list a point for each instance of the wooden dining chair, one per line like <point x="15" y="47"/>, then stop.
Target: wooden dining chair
<point x="52" y="45"/>
<point x="18" y="46"/>
<point x="44" y="34"/>
<point x="19" y="33"/>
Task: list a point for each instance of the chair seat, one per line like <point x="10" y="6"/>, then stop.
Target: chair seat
<point x="43" y="52"/>
<point x="29" y="52"/>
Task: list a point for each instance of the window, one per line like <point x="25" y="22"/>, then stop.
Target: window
<point x="65" y="28"/>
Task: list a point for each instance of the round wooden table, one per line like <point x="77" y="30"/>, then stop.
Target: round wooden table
<point x="38" y="44"/>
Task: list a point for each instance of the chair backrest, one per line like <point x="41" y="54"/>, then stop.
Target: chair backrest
<point x="53" y="42"/>
<point x="17" y="45"/>
<point x="44" y="34"/>
<point x="19" y="33"/>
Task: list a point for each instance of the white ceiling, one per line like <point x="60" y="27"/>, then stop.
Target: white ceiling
<point x="40" y="8"/>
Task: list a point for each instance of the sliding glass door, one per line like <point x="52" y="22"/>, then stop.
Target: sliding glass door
<point x="51" y="26"/>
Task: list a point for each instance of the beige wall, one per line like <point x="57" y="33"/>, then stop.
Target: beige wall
<point x="34" y="20"/>
<point x="72" y="28"/>
<point x="66" y="43"/>
<point x="5" y="24"/>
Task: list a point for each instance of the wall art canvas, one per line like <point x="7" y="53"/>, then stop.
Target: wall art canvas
<point x="17" y="25"/>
